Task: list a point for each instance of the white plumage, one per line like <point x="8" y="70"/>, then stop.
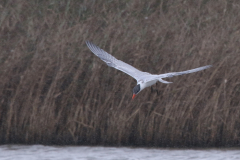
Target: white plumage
<point x="144" y="79"/>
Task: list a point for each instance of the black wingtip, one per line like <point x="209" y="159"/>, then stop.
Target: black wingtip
<point x="87" y="42"/>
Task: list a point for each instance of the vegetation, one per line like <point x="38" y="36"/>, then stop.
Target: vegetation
<point x="53" y="90"/>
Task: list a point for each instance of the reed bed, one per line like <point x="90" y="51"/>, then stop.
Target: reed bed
<point x="53" y="90"/>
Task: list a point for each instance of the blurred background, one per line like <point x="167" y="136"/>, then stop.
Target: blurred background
<point x="54" y="90"/>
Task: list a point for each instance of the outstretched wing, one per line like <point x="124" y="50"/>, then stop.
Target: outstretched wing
<point x="171" y="74"/>
<point x="115" y="63"/>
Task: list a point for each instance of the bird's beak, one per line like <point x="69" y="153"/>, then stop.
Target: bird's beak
<point x="133" y="96"/>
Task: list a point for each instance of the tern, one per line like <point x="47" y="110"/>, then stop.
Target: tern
<point x="144" y="79"/>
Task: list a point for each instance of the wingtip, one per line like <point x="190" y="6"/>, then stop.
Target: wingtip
<point x="208" y="66"/>
<point x="88" y="43"/>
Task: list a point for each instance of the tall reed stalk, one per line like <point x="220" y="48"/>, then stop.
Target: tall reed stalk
<point x="53" y="90"/>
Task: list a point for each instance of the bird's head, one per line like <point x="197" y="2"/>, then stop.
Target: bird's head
<point x="136" y="90"/>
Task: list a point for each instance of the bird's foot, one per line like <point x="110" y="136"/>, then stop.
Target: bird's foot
<point x="154" y="90"/>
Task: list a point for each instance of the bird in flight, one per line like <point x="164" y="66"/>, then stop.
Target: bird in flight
<point x="144" y="79"/>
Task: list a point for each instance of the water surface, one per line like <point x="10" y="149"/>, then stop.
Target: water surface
<point x="40" y="152"/>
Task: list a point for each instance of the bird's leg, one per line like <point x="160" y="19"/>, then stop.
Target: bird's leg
<point x="154" y="90"/>
<point x="157" y="89"/>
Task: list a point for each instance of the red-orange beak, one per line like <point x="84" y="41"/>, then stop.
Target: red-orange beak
<point x="133" y="96"/>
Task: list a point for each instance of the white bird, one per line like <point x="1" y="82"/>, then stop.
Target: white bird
<point x="144" y="79"/>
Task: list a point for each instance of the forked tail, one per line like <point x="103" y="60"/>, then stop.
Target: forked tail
<point x="161" y="80"/>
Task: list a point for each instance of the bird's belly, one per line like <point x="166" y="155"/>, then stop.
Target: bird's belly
<point x="148" y="84"/>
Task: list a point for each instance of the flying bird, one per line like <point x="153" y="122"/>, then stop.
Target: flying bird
<point x="144" y="79"/>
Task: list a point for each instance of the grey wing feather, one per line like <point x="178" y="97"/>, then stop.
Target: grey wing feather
<point x="115" y="63"/>
<point x="184" y="72"/>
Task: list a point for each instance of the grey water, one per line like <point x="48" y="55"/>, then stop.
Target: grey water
<point x="41" y="152"/>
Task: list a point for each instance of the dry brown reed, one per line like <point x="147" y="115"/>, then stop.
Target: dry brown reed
<point x="53" y="90"/>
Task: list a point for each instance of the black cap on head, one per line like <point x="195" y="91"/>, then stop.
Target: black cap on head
<point x="136" y="89"/>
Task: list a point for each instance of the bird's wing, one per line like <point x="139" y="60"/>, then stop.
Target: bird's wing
<point x="171" y="74"/>
<point x="115" y="63"/>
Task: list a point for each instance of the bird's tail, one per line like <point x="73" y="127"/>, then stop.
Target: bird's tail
<point x="161" y="80"/>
